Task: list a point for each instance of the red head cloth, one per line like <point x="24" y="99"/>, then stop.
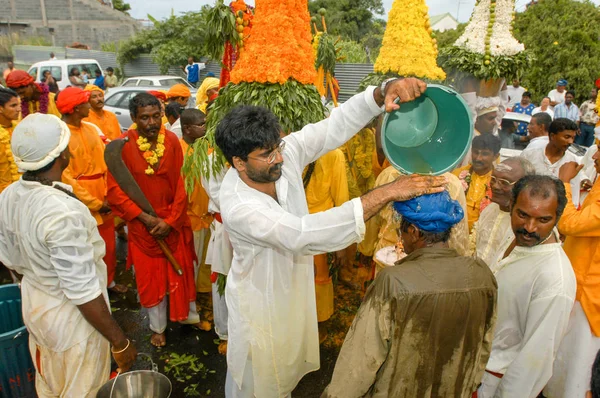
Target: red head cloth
<point x="213" y="97"/>
<point x="71" y="97"/>
<point x="18" y="78"/>
<point x="158" y="94"/>
<point x="598" y="84"/>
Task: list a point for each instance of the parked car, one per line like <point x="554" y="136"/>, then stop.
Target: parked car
<point x="117" y="100"/>
<point x="60" y="69"/>
<point x="162" y="81"/>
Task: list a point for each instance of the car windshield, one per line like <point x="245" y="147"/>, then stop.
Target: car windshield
<point x="173" y="81"/>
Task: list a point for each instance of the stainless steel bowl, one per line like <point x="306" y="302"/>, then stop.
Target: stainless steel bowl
<point x="137" y="384"/>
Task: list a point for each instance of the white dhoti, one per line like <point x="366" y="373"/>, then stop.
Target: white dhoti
<point x="489" y="385"/>
<point x="219" y="256"/>
<point x="158" y="316"/>
<point x="79" y="371"/>
<point x="219" y="313"/>
<point x="572" y="369"/>
<point x="247" y="390"/>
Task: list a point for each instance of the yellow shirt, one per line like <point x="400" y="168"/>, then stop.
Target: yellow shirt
<point x="34" y="106"/>
<point x="8" y="168"/>
<point x="198" y="200"/>
<point x="107" y="122"/>
<point x="476" y="192"/>
<point x="87" y="170"/>
<point x="582" y="228"/>
<point x="328" y="186"/>
<point x="359" y="159"/>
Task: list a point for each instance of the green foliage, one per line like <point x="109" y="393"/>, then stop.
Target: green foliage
<point x="120" y="5"/>
<point x="294" y="104"/>
<point x="220" y="28"/>
<point x="375" y="79"/>
<point x="458" y="58"/>
<point x="447" y="38"/>
<point x="351" y="19"/>
<point x="326" y="54"/>
<point x="575" y="27"/>
<point x="351" y="52"/>
<point x="169" y="42"/>
<point x="183" y="367"/>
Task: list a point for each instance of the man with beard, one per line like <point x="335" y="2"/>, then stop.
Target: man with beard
<point x="475" y="177"/>
<point x="548" y="160"/>
<point x="536" y="290"/>
<point x="87" y="171"/>
<point x="105" y="120"/>
<point x="492" y="232"/>
<point x="273" y="337"/>
<point x="571" y="377"/>
<point x="154" y="157"/>
<point x="405" y="340"/>
<point x="35" y="97"/>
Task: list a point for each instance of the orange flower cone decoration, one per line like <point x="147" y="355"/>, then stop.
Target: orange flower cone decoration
<point x="279" y="47"/>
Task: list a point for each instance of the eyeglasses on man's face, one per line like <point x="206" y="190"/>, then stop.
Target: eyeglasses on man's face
<point x="502" y="182"/>
<point x="272" y="156"/>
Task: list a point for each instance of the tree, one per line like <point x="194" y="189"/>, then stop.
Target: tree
<point x="351" y="19"/>
<point x="120" y="5"/>
<point x="567" y="48"/>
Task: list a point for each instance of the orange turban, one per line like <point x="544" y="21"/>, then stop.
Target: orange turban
<point x="71" y="97"/>
<point x="18" y="78"/>
<point x="179" y="90"/>
<point x="158" y="94"/>
<point x="91" y="87"/>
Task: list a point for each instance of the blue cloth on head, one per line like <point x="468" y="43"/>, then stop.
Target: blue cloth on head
<point x="210" y="74"/>
<point x="431" y="213"/>
<point x="562" y="82"/>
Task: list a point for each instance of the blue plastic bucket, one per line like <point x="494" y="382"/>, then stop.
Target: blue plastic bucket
<point x="17" y="374"/>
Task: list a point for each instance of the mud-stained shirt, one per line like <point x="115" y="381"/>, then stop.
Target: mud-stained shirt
<point x="424" y="330"/>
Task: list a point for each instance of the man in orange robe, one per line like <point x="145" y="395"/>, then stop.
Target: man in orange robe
<point x="154" y="157"/>
<point x="105" y="120"/>
<point x="35" y="97"/>
<point x="87" y="171"/>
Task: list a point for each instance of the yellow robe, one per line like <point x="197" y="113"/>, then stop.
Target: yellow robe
<point x="358" y="152"/>
<point x="108" y="123"/>
<point x="476" y="193"/>
<point x="8" y="168"/>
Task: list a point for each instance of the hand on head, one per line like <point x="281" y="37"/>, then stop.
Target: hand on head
<point x="408" y="187"/>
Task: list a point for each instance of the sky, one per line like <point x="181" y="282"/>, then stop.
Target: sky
<point x="161" y="9"/>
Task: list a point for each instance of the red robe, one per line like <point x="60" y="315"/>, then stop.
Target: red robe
<point x="165" y="191"/>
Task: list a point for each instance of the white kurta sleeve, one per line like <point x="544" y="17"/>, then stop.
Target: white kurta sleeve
<point x="315" y="140"/>
<point x="72" y="257"/>
<point x="547" y="320"/>
<point x="323" y="232"/>
<point x="212" y="184"/>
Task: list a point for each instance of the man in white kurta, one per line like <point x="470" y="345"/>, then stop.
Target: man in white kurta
<point x="536" y="291"/>
<point x="493" y="232"/>
<point x="52" y="240"/>
<point x="273" y="338"/>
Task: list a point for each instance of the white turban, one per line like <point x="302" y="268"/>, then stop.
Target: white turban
<point x="487" y="110"/>
<point x="38" y="140"/>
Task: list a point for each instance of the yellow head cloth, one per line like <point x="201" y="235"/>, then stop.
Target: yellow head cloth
<point x="91" y="87"/>
<point x="209" y="83"/>
<point x="179" y="90"/>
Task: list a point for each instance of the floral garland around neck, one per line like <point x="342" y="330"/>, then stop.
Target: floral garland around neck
<point x="44" y="101"/>
<point x="152" y="155"/>
<point x="5" y="141"/>
<point x="466" y="178"/>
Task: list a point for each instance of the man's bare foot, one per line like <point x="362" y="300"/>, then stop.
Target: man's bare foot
<point x="118" y="288"/>
<point x="223" y="347"/>
<point x="158" y="339"/>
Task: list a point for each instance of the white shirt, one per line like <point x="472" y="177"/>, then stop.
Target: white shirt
<point x="538" y="142"/>
<point x="557" y="97"/>
<point x="270" y="288"/>
<point x="543" y="166"/>
<point x="494" y="235"/>
<point x="515" y="94"/>
<point x="52" y="240"/>
<point x="548" y="110"/>
<point x="536" y="292"/>
<point x="175" y="128"/>
<point x="589" y="169"/>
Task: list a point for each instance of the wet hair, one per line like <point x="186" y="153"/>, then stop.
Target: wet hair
<point x="596" y="377"/>
<point x="173" y="109"/>
<point x="526" y="94"/>
<point x="245" y="129"/>
<point x="140" y="101"/>
<point x="508" y="125"/>
<point x="527" y="167"/>
<point x="543" y="119"/>
<point x="429" y="237"/>
<point x="570" y="92"/>
<point x="561" y="124"/>
<point x="192" y="116"/>
<point x="6" y="94"/>
<point x="487" y="141"/>
<point x="542" y="186"/>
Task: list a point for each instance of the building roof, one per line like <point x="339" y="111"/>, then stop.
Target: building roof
<point x="437" y="18"/>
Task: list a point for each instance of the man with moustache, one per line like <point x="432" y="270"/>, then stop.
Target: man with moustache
<point x="492" y="232"/>
<point x="536" y="290"/>
<point x="105" y="120"/>
<point x="571" y="376"/>
<point x="273" y="336"/>
<point x="154" y="157"/>
<point x="538" y="131"/>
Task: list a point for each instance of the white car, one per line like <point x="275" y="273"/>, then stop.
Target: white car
<point x="160" y="82"/>
<point x="60" y="69"/>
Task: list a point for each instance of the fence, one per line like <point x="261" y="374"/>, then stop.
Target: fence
<point x="348" y="75"/>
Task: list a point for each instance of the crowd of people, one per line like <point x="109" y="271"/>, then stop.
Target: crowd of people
<point x="484" y="279"/>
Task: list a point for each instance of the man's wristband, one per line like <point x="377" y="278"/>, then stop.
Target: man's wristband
<point x="126" y="347"/>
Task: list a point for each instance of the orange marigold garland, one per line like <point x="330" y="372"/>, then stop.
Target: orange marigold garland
<point x="279" y="47"/>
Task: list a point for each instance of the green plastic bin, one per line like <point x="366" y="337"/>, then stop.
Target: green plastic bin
<point x="17" y="374"/>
